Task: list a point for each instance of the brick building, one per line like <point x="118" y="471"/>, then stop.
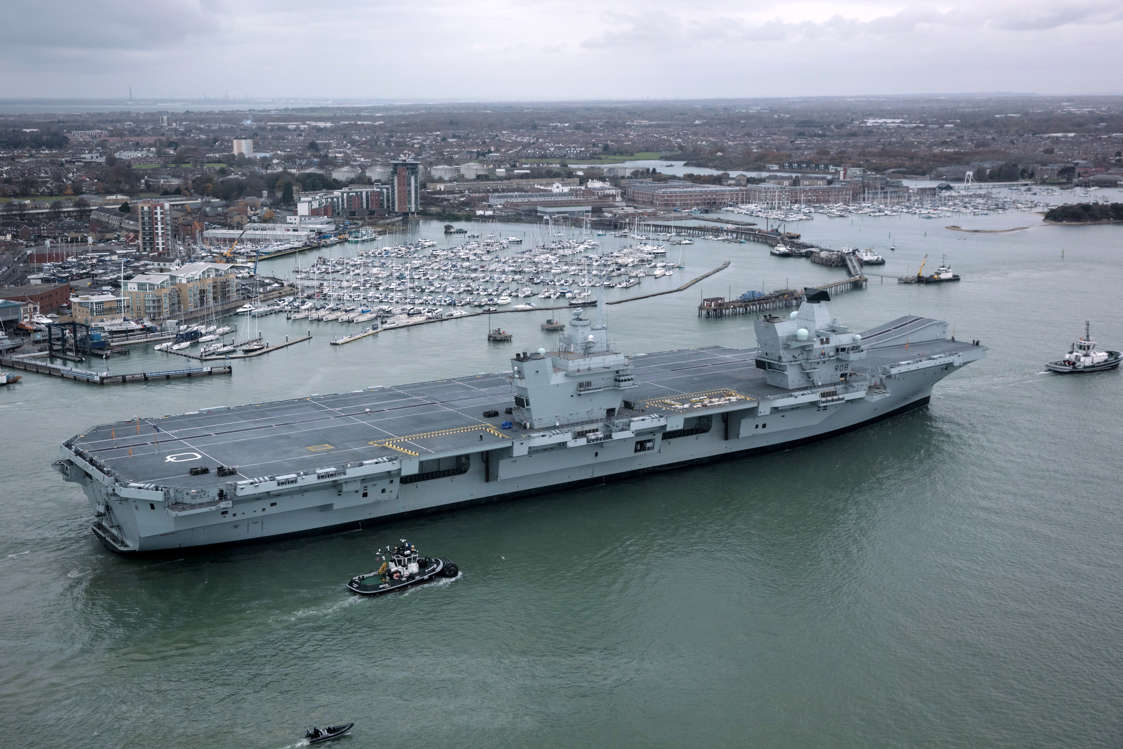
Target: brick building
<point x="49" y="297"/>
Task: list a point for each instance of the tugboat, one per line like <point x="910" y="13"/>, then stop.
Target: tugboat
<point x="1083" y="356"/>
<point x="319" y="735"/>
<point x="403" y="569"/>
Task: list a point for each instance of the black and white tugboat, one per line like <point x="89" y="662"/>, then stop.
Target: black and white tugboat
<point x="401" y="568"/>
<point x="1084" y="358"/>
<point x="319" y="735"/>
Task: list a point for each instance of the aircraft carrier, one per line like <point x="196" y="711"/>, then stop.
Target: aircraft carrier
<point x="583" y="412"/>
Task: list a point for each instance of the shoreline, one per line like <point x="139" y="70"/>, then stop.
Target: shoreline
<point x="1082" y="223"/>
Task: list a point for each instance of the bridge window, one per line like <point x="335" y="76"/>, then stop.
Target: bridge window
<point x="522" y="402"/>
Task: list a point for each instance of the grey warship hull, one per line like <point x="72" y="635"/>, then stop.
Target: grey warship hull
<point x="242" y="473"/>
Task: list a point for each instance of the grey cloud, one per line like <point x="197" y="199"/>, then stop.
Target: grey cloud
<point x="113" y="24"/>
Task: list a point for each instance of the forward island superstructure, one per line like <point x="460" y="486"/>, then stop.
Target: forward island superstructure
<point x="579" y="413"/>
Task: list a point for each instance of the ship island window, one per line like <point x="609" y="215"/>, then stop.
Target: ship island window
<point x="384" y="490"/>
<point x="151" y="506"/>
<point x="438" y="468"/>
<point x="364" y="492"/>
<point x="272" y="504"/>
<point x="643" y="446"/>
<point x="691" y="425"/>
<point x="522" y="402"/>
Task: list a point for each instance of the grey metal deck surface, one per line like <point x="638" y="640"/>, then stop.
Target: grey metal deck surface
<point x="417" y="419"/>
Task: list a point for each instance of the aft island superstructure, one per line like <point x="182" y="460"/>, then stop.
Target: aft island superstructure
<point x="579" y="413"/>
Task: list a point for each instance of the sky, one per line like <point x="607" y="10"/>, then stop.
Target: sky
<point x="484" y="50"/>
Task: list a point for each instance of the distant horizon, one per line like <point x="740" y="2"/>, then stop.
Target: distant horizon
<point x="24" y="105"/>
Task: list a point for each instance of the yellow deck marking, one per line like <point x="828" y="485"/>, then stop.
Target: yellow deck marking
<point x="319" y="448"/>
<point x="394" y="443"/>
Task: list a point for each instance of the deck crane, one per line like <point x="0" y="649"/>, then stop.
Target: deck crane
<point x="920" y="270"/>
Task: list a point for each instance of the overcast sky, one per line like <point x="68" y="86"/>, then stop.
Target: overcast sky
<point x="550" y="49"/>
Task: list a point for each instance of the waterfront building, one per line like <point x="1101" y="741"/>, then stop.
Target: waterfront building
<point x="257" y="233"/>
<point x="155" y="221"/>
<point x="190" y="292"/>
<point x="681" y="195"/>
<point x="48" y="296"/>
<point x="405" y="187"/>
<point x="243" y="147"/>
<point x="90" y="309"/>
<point x="11" y="313"/>
<point x="355" y="201"/>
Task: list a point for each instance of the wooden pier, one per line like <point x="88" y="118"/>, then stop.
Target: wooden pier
<point x="105" y="378"/>
<point x="718" y="307"/>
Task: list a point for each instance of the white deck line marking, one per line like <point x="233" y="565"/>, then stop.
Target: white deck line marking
<point x="193" y="447"/>
<point x="353" y="417"/>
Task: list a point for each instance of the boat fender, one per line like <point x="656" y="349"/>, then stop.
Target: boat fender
<point x="450" y="570"/>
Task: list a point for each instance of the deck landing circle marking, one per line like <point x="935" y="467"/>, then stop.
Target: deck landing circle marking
<point x="181" y="457"/>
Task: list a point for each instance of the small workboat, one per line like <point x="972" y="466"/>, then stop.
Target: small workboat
<point x="1083" y="356"/>
<point x="9" y="379"/>
<point x="402" y="567"/>
<point x="498" y="335"/>
<point x="319" y="735"/>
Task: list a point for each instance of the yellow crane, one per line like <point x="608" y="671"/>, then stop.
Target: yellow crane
<point x="229" y="254"/>
<point x="920" y="271"/>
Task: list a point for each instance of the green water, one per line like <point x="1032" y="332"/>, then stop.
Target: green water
<point x="950" y="577"/>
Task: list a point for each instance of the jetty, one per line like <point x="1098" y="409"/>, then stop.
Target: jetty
<point x="356" y="336"/>
<point x="242" y="354"/>
<point x="105" y="378"/>
<point x="718" y="307"/>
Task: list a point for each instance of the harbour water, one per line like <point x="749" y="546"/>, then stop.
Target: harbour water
<point x="948" y="577"/>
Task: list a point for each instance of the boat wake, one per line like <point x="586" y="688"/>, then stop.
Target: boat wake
<point x="441" y="582"/>
<point x="318" y="611"/>
<point x="16" y="554"/>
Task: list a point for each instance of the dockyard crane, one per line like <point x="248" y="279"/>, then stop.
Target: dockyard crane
<point x="229" y="254"/>
<point x="920" y="271"/>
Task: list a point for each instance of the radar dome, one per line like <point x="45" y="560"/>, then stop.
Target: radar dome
<point x="857" y="338"/>
<point x="541" y="351"/>
<point x="802" y="334"/>
<point x="793" y="314"/>
<point x="591" y="338"/>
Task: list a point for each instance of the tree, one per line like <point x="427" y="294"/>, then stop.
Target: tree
<point x="82" y="207"/>
<point x="54" y="212"/>
<point x="286" y="194"/>
<point x="124" y="207"/>
<point x="313" y="146"/>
